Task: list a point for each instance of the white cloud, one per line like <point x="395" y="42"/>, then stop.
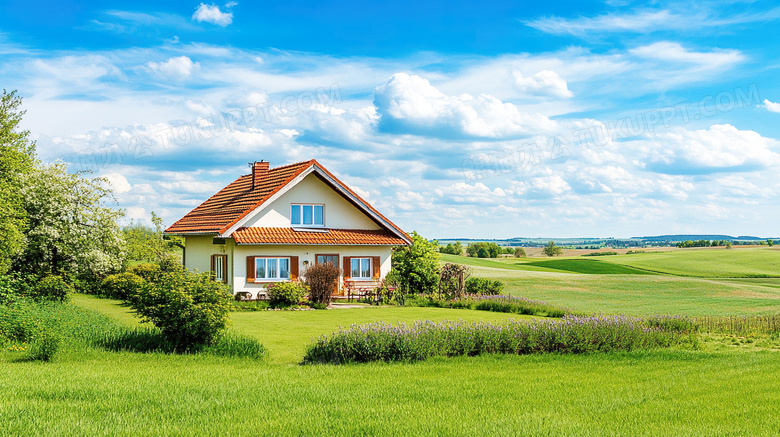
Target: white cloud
<point x="408" y="103"/>
<point x="646" y="21"/>
<point x="545" y="82"/>
<point x="717" y="149"/>
<point x="466" y="193"/>
<point x="118" y="182"/>
<point x="180" y="67"/>
<point x="212" y="14"/>
<point x="772" y="106"/>
<point x="674" y="52"/>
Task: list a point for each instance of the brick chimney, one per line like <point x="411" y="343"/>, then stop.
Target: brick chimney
<point x="259" y="173"/>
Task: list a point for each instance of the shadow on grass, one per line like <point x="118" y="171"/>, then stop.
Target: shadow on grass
<point x="588" y="267"/>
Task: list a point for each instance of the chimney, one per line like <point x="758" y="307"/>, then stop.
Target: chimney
<point x="259" y="173"/>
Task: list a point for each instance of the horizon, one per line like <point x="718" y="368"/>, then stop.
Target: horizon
<point x="487" y="119"/>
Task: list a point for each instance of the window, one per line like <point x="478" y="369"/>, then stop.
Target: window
<point x="272" y="268"/>
<point x="360" y="268"/>
<point x="219" y="267"/>
<point x="307" y="215"/>
<point x="324" y="259"/>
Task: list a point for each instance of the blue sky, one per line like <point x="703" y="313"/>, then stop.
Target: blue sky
<point x="456" y="119"/>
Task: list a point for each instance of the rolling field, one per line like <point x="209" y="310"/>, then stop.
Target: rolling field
<point x="607" y="286"/>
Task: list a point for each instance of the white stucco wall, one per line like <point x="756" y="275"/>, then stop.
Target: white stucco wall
<point x="304" y="253"/>
<point x="198" y="251"/>
<point x="339" y="213"/>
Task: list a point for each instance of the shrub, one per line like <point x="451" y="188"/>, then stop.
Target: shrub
<point x="483" y="286"/>
<point x="284" y="294"/>
<point x="318" y="306"/>
<point x="51" y="288"/>
<point x="519" y="252"/>
<point x="601" y="253"/>
<point x="321" y="280"/>
<point x="44" y="346"/>
<point x="250" y="305"/>
<point x="147" y="272"/>
<point x="121" y="285"/>
<point x="190" y="309"/>
<point x="452" y="280"/>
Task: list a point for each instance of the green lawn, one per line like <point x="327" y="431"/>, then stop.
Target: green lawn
<point x="650" y="393"/>
<point x="728" y="387"/>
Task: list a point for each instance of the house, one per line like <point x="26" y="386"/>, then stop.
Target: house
<point x="270" y="225"/>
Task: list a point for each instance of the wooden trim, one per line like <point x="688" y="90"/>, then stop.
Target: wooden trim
<point x="327" y="254"/>
<point x="293" y="268"/>
<point x="222" y="259"/>
<point x="250" y="269"/>
<point x="376" y="266"/>
<point x="347" y="267"/>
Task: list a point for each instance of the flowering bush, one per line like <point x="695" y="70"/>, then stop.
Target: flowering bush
<point x="384" y="342"/>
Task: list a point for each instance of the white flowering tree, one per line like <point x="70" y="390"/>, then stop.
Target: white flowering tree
<point x="72" y="230"/>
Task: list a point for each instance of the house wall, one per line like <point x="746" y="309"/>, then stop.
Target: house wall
<point x="304" y="253"/>
<point x="198" y="251"/>
<point x="339" y="213"/>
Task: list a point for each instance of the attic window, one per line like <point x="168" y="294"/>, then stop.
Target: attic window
<point x="305" y="214"/>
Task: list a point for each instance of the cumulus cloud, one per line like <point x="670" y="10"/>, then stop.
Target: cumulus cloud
<point x="772" y="106"/>
<point x="212" y="14"/>
<point x="545" y="83"/>
<point x="408" y="103"/>
<point x="180" y="67"/>
<point x="721" y="148"/>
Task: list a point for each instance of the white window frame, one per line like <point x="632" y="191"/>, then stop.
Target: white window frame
<point x="277" y="278"/>
<point x="360" y="260"/>
<point x="300" y="215"/>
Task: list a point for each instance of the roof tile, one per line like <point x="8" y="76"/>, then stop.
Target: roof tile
<point x="327" y="236"/>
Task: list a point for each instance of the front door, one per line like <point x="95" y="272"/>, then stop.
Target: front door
<point x="332" y="258"/>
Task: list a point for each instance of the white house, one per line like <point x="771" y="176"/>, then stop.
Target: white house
<point x="270" y="225"/>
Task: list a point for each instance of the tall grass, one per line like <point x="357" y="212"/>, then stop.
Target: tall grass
<point x="748" y="325"/>
<point x="572" y="335"/>
<point x="36" y="327"/>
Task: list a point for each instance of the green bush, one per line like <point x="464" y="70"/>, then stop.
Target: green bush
<point x="483" y="286"/>
<point x="51" y="288"/>
<point x="190" y="309"/>
<point x="44" y="346"/>
<point x="284" y="294"/>
<point x="121" y="285"/>
<point x="147" y="272"/>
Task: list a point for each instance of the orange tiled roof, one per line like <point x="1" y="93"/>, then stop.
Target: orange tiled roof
<point x="325" y="236"/>
<point x="224" y="209"/>
<point x="236" y="200"/>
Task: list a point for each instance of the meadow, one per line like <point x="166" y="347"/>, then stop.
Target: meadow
<point x="722" y="386"/>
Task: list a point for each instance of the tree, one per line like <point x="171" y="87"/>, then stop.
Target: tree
<point x="519" y="252"/>
<point x="145" y="243"/>
<point x="452" y="280"/>
<point x="483" y="250"/>
<point x="551" y="249"/>
<point x="17" y="159"/>
<point x="453" y="249"/>
<point x="71" y="229"/>
<point x="770" y="242"/>
<point x="416" y="267"/>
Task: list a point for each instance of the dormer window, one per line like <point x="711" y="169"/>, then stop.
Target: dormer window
<point x="305" y="214"/>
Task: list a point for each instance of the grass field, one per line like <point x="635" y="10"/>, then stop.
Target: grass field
<point x="599" y="286"/>
<point x="726" y="387"/>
